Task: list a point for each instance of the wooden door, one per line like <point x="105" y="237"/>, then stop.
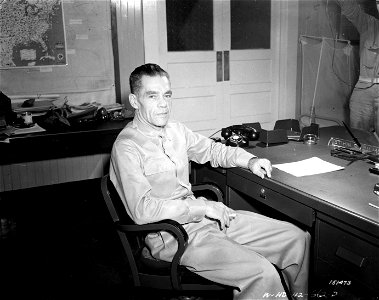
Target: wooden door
<point x="215" y="83"/>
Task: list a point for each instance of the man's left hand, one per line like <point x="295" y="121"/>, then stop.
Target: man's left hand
<point x="260" y="167"/>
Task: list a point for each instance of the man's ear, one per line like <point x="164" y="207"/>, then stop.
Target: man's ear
<point x="133" y="101"/>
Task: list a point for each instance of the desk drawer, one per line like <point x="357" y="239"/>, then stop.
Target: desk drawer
<point x="275" y="200"/>
<point x="351" y="256"/>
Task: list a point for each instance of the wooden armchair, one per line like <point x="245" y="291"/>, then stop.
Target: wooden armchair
<point x="146" y="271"/>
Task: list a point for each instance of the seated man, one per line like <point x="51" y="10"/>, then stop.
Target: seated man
<point x="149" y="168"/>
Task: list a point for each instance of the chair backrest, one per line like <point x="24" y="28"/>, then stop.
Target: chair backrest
<point x="113" y="201"/>
<point x="132" y="246"/>
<point x="145" y="270"/>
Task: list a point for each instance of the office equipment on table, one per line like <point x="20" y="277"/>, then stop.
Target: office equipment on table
<point x="288" y="124"/>
<point x="347" y="150"/>
<point x="292" y="127"/>
<point x="294" y="133"/>
<point x="311" y="129"/>
<point x="310" y="139"/>
<point x="352" y="135"/>
<point x="339" y="143"/>
<point x="255" y="125"/>
<point x="351" y="151"/>
<point x="239" y="135"/>
<point x="273" y="137"/>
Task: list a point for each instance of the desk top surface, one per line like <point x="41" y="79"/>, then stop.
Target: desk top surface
<point x="349" y="190"/>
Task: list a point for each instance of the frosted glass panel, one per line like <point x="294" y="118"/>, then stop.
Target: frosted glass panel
<point x="189" y="25"/>
<point x="250" y="24"/>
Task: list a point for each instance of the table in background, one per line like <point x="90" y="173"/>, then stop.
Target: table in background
<point x="47" y="158"/>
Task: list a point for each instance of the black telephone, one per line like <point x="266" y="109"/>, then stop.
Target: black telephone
<point x="239" y="135"/>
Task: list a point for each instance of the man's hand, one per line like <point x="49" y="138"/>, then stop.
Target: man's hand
<point x="260" y="167"/>
<point x="220" y="212"/>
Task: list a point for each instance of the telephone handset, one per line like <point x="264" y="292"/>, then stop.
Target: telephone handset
<point x="239" y="135"/>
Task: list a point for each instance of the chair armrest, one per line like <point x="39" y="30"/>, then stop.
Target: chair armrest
<point x="176" y="229"/>
<point x="210" y="187"/>
<point x="166" y="225"/>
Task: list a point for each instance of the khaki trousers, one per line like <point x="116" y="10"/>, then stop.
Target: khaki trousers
<point x="241" y="255"/>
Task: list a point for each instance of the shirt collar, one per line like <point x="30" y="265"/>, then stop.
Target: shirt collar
<point x="148" y="130"/>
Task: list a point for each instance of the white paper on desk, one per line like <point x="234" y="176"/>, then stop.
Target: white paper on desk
<point x="310" y="166"/>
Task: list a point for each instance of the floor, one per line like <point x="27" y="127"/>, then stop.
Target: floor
<point x="57" y="243"/>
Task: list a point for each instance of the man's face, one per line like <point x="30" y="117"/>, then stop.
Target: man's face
<point x="153" y="100"/>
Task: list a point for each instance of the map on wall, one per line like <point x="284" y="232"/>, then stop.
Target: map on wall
<point x="32" y="34"/>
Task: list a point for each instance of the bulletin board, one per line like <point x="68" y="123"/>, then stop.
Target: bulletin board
<point x="86" y="73"/>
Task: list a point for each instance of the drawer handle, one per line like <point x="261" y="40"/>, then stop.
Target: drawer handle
<point x="351" y="257"/>
<point x="262" y="193"/>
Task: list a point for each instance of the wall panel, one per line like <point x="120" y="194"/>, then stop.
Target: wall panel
<point x="53" y="171"/>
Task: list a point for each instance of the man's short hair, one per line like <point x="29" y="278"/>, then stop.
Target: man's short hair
<point x="144" y="70"/>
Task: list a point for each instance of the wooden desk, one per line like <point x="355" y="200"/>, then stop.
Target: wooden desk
<point x="334" y="207"/>
<point x="345" y="194"/>
<point x="47" y="158"/>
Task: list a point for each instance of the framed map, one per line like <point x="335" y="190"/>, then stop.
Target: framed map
<point x="32" y="34"/>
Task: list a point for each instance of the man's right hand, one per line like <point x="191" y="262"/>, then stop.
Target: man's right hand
<point x="220" y="212"/>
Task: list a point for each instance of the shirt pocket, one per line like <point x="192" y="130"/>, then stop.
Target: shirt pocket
<point x="161" y="174"/>
<point x="370" y="55"/>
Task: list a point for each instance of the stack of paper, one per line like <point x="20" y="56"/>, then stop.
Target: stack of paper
<point x="310" y="166"/>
